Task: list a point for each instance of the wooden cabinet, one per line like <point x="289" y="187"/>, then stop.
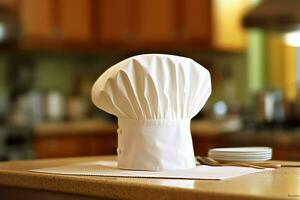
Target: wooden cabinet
<point x="111" y="23"/>
<point x="48" y="147"/>
<point x="138" y="24"/>
<point x="114" y="21"/>
<point x="69" y="145"/>
<point x="75" y="138"/>
<point x="155" y="21"/>
<point x="196" y="22"/>
<point x="55" y="22"/>
<point x="75" y="20"/>
<point x="38" y="19"/>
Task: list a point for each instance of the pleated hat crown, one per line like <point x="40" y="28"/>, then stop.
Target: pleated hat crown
<point x="153" y="86"/>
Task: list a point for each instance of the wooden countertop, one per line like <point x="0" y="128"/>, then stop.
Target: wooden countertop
<point x="283" y="183"/>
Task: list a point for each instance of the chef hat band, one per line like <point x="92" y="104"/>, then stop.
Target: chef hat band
<point x="155" y="144"/>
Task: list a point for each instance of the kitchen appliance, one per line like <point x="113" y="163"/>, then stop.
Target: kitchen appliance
<point x="55" y="106"/>
<point x="269" y="108"/>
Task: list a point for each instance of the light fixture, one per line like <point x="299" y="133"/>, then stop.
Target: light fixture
<point x="292" y="38"/>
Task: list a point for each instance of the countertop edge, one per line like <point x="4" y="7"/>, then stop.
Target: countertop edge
<point x="107" y="187"/>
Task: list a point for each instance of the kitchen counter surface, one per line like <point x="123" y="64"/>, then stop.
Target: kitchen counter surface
<point x="283" y="183"/>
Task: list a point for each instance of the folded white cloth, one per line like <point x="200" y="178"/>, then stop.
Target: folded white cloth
<point x="154" y="97"/>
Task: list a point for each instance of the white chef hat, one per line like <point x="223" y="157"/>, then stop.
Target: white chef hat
<point x="154" y="97"/>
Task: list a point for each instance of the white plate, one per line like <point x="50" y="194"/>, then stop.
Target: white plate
<point x="241" y="154"/>
<point x="221" y="156"/>
<point x="242" y="150"/>
<point x="242" y="159"/>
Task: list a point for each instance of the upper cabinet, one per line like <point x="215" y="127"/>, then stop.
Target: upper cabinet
<point x="196" y="22"/>
<point x="113" y="21"/>
<point x="75" y="20"/>
<point x="55" y="22"/>
<point x="138" y="24"/>
<point x="38" y="19"/>
<point x="155" y="21"/>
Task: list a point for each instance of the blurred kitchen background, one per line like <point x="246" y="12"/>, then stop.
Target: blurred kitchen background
<point x="51" y="52"/>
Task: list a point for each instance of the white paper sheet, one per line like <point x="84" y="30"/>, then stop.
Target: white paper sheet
<point x="109" y="169"/>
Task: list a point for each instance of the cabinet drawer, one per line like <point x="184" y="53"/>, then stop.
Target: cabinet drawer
<point x="58" y="147"/>
<point x="76" y="145"/>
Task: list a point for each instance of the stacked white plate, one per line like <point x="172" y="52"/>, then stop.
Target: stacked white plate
<point x="245" y="154"/>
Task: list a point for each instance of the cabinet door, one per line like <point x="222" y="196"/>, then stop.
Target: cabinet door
<point x="114" y="21"/>
<point x="155" y="20"/>
<point x="196" y="21"/>
<point x="75" y="20"/>
<point x="38" y="19"/>
<point x="61" y="146"/>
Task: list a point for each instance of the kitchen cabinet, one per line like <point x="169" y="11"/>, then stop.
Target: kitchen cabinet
<point x="75" y="138"/>
<point x="58" y="147"/>
<point x="75" y="20"/>
<point x="52" y="23"/>
<point x="196" y="22"/>
<point x="155" y="21"/>
<point x="174" y="23"/>
<point x="134" y="24"/>
<point x="75" y="145"/>
<point x="105" y="23"/>
<point x="38" y="20"/>
<point x="114" y="21"/>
